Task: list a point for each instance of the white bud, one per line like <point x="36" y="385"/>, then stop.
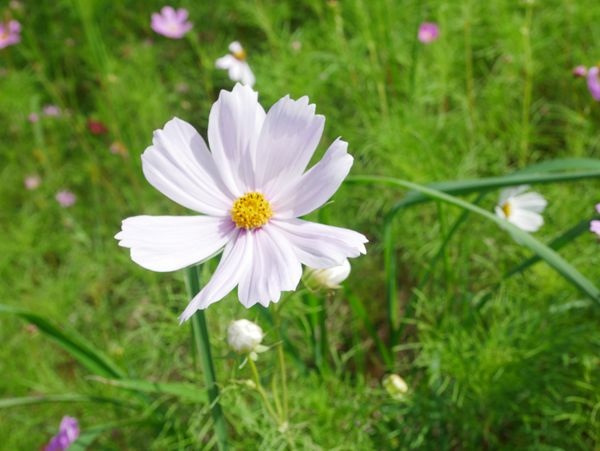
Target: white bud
<point x="244" y="336"/>
<point x="329" y="278"/>
<point x="395" y="386"/>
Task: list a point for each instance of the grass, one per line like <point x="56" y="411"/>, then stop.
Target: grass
<point x="493" y="95"/>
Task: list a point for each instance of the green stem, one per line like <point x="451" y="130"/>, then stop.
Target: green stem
<point x="281" y="358"/>
<point x="261" y="390"/>
<point x="202" y="345"/>
<point x="527" y="89"/>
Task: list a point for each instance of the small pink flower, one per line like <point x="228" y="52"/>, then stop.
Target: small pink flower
<point x="579" y="71"/>
<point x="68" y="432"/>
<point x="96" y="127"/>
<point x="33" y="117"/>
<point x="65" y="198"/>
<point x="171" y="23"/>
<point x="593" y="82"/>
<point x="428" y="32"/>
<point x="32" y="182"/>
<point x="10" y="33"/>
<point x="595" y="225"/>
<point x="51" y="110"/>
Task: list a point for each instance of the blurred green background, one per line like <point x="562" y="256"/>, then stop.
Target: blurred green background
<point x="492" y="95"/>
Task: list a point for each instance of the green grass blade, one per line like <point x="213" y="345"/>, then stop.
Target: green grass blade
<point x="77" y="346"/>
<point x="181" y="390"/>
<point x="561" y="266"/>
<point x="490" y="183"/>
<point x="44" y="399"/>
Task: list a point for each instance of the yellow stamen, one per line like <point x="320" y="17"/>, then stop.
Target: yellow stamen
<point x="506" y="209"/>
<point x="240" y="55"/>
<point x="251" y="210"/>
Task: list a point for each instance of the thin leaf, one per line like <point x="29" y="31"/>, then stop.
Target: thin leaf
<point x="179" y="389"/>
<point x="43" y="399"/>
<point x="77" y="346"/>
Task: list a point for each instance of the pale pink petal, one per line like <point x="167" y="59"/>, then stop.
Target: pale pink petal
<point x="247" y="76"/>
<point x="288" y="139"/>
<point x="530" y="201"/>
<point x="319" y="245"/>
<point x="181" y="15"/>
<point x="233" y="126"/>
<point x="275" y="268"/>
<point x="236" y="260"/>
<point x="179" y="165"/>
<point x="168" y="243"/>
<point x="316" y="186"/>
<point x="225" y="62"/>
<point x="526" y="220"/>
<point x="595" y="227"/>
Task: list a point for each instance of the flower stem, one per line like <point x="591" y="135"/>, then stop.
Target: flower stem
<point x="261" y="390"/>
<point x="202" y="345"/>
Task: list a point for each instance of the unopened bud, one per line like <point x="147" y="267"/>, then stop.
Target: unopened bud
<point x="395" y="386"/>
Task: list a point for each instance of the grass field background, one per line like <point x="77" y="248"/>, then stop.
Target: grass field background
<point x="492" y="95"/>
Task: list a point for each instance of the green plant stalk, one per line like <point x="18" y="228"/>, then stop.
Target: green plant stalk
<point x="261" y="390"/>
<point x="202" y="345"/>
<point x="528" y="86"/>
<point x="282" y="369"/>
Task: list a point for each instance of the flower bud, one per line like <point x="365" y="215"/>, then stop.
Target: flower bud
<point x="395" y="386"/>
<point x="244" y="336"/>
<point x="328" y="278"/>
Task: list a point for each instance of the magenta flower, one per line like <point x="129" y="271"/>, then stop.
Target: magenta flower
<point x="595" y="225"/>
<point x="428" y="32"/>
<point x="579" y="71"/>
<point x="51" y="110"/>
<point x="68" y="432"/>
<point x="593" y="82"/>
<point x="10" y="33"/>
<point x="65" y="198"/>
<point x="171" y="23"/>
<point x="32" y="182"/>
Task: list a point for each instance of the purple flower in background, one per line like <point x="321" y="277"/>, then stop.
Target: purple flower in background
<point x="595" y="225"/>
<point x="67" y="433"/>
<point x="428" y="32"/>
<point x="51" y="110"/>
<point x="579" y="71"/>
<point x="10" y="33"/>
<point x="593" y="82"/>
<point x="33" y="117"/>
<point x="171" y="23"/>
<point x="65" y="198"/>
<point x="32" y="181"/>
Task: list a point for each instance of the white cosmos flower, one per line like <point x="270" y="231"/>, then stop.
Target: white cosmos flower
<point x="521" y="208"/>
<point x="250" y="189"/>
<point x="329" y="277"/>
<point x="236" y="65"/>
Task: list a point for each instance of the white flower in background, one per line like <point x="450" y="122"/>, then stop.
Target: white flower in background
<point x="328" y="278"/>
<point x="236" y="65"/>
<point x="251" y="190"/>
<point x="395" y="386"/>
<point x="244" y="336"/>
<point x="521" y="208"/>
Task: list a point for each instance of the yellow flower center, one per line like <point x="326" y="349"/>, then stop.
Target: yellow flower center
<point x="240" y="55"/>
<point x="506" y="209"/>
<point x="251" y="210"/>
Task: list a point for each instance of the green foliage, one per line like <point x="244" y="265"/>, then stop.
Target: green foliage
<point x="498" y="352"/>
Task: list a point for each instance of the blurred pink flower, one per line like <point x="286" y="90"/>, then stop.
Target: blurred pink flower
<point x="33" y="117"/>
<point x="595" y="225"/>
<point x="171" y="23"/>
<point x="68" y="432"/>
<point x="96" y="127"/>
<point x="10" y="33"/>
<point x="428" y="32"/>
<point x="579" y="71"/>
<point x="51" y="110"/>
<point x="65" y="198"/>
<point x="593" y="82"/>
<point x="32" y="181"/>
